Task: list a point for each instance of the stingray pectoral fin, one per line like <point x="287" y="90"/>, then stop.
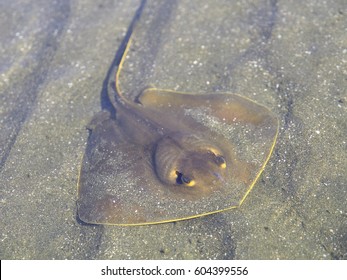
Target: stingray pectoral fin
<point x="227" y="107"/>
<point x="111" y="170"/>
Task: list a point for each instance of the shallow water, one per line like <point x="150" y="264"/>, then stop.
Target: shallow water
<point x="288" y="56"/>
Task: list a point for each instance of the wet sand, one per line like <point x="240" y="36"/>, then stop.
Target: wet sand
<point x="288" y="56"/>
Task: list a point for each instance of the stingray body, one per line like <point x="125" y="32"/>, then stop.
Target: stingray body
<point x="170" y="156"/>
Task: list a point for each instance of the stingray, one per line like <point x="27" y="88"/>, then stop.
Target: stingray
<point x="170" y="156"/>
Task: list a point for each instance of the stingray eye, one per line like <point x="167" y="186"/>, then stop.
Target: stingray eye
<point x="184" y="180"/>
<point x="220" y="160"/>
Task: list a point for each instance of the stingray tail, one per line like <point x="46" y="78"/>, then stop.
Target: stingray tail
<point x="114" y="93"/>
